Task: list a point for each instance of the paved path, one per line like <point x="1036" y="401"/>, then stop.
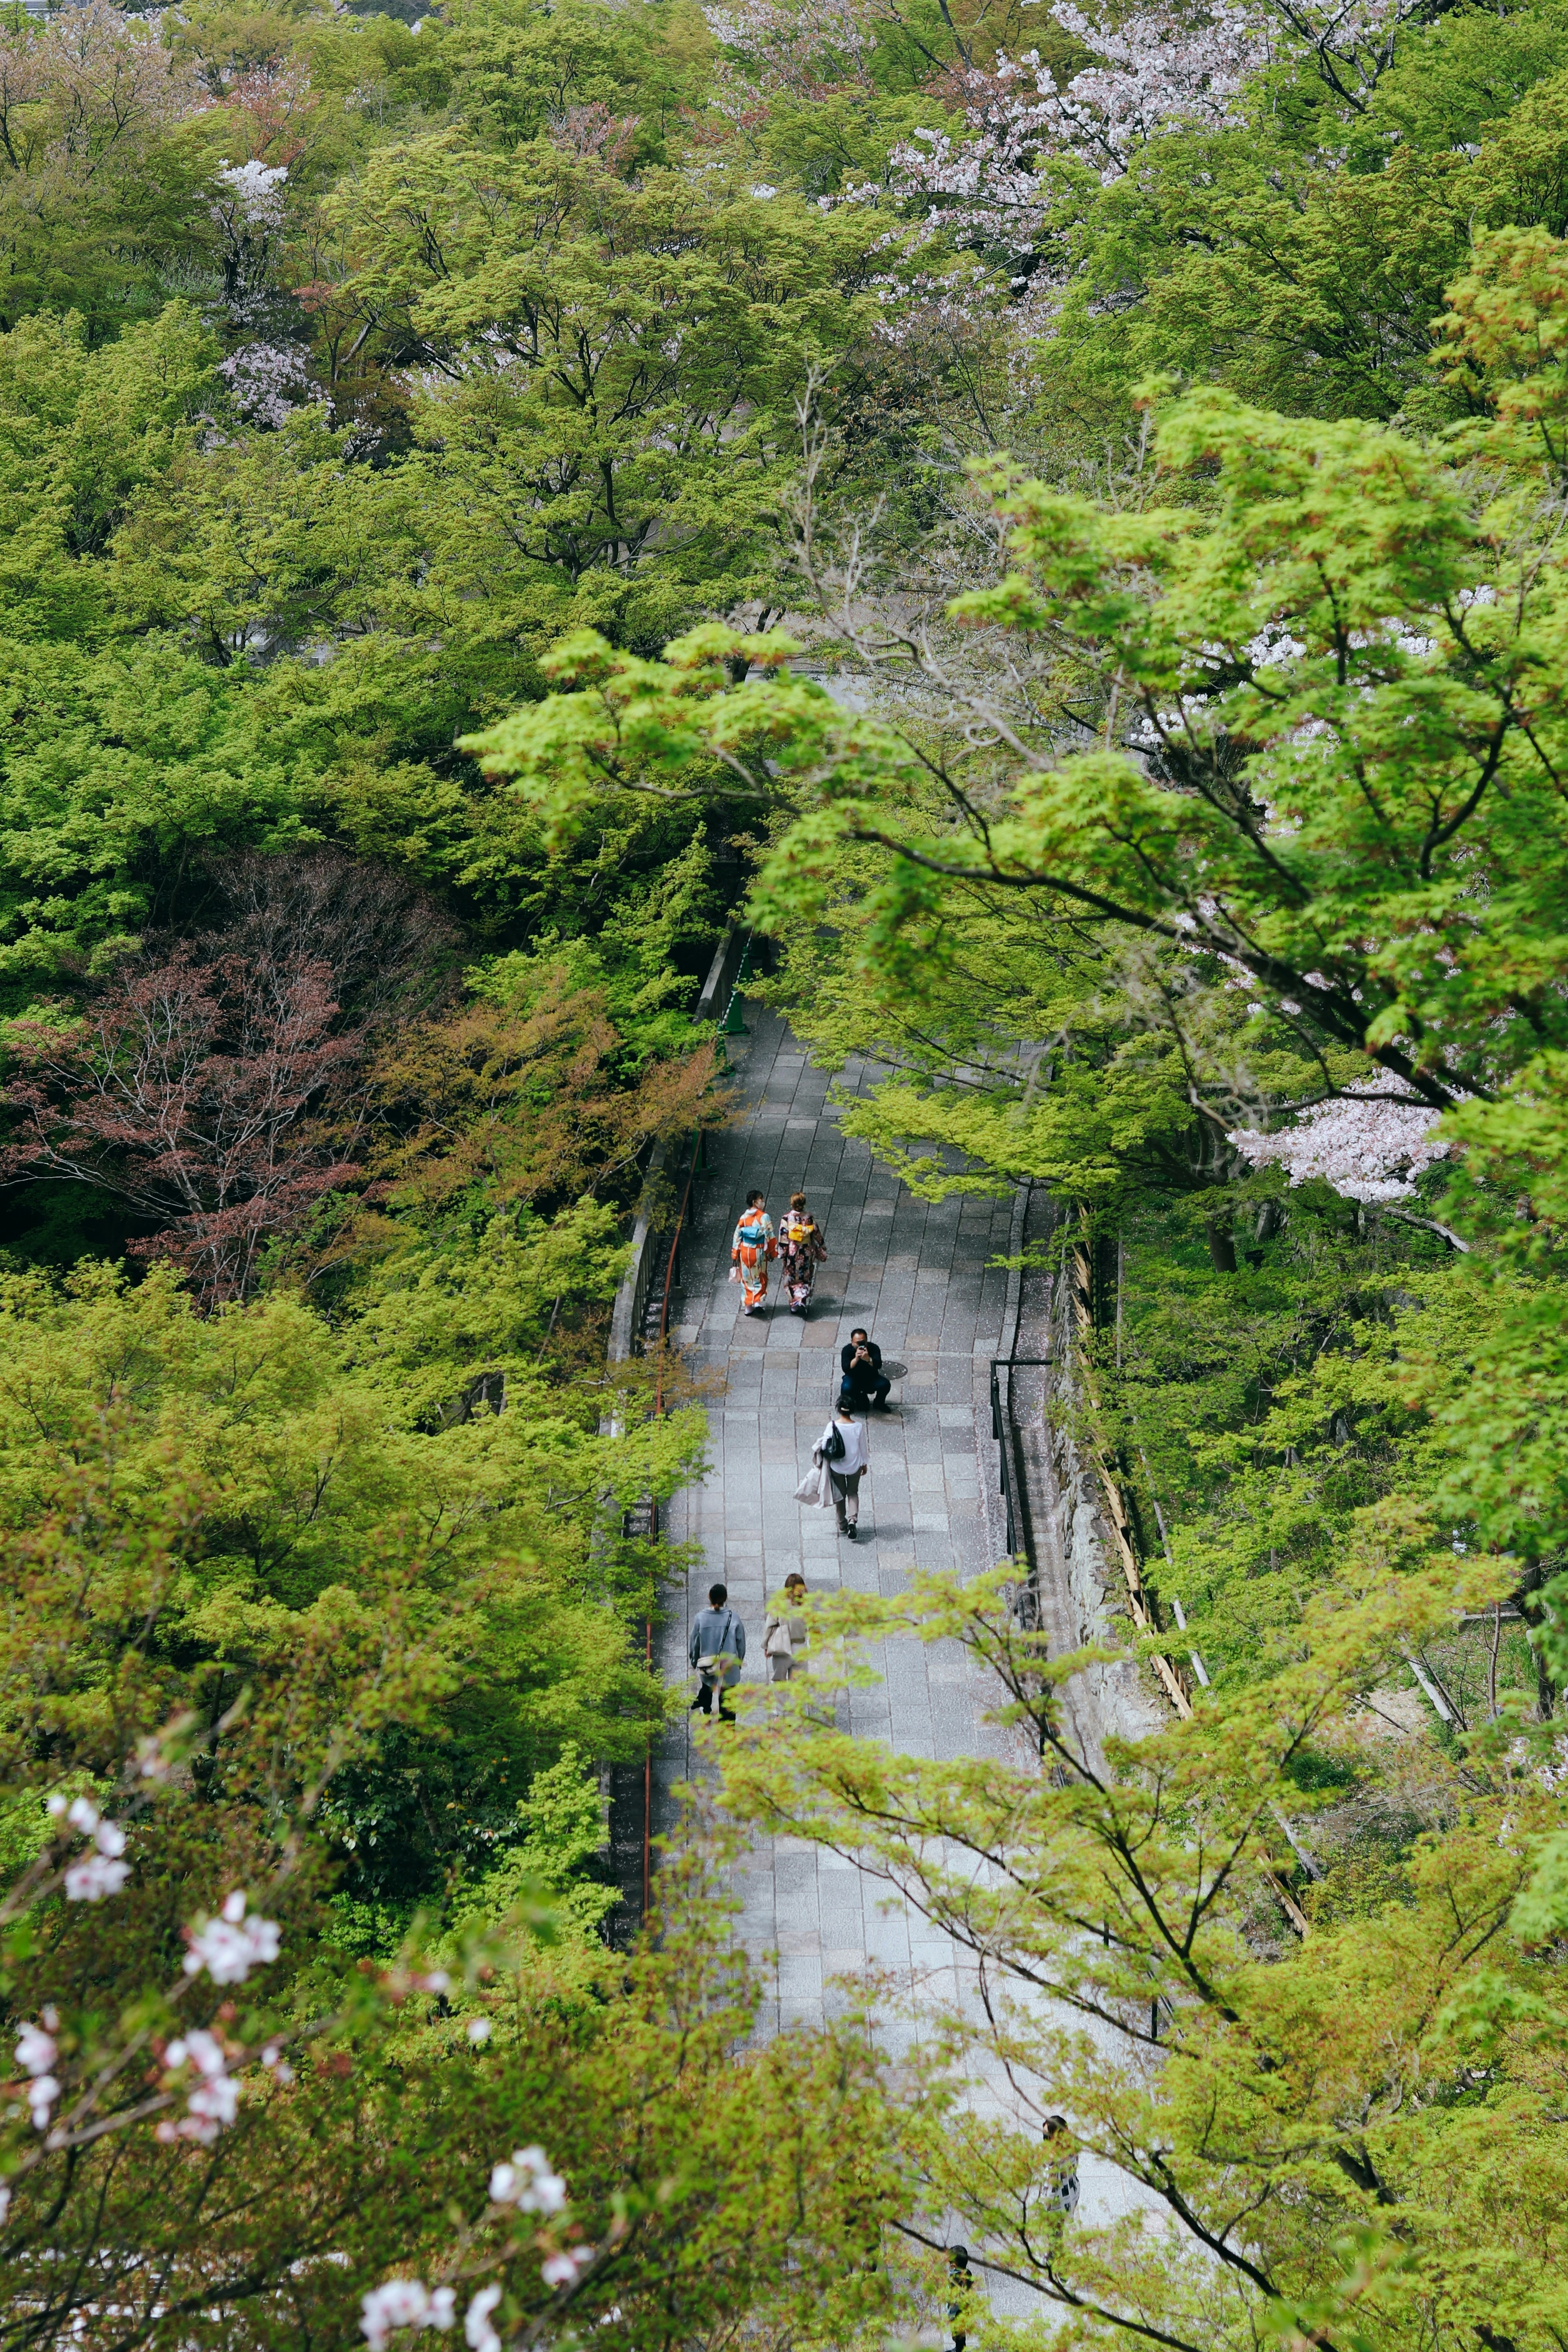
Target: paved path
<point x="918" y="1276"/>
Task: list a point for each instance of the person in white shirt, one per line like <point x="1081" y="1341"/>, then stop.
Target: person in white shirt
<point x="845" y="1469"/>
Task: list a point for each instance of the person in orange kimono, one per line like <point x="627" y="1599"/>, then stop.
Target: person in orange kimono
<point x="749" y="1252"/>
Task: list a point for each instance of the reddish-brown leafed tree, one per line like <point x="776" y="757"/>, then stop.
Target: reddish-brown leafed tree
<point x="201" y="1093"/>
<point x="219" y="1089"/>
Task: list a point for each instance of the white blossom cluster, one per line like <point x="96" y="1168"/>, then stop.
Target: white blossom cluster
<point x="36" y="2051"/>
<point x="1368" y="1150"/>
<point x="266" y="381"/>
<point x="529" y="2184"/>
<point x="409" y="2303"/>
<point x="248" y="211"/>
<point x="804" y="49"/>
<point x="478" y="2329"/>
<point x="252" y="197"/>
<point x="227" y="1948"/>
<point x="215" y="2102"/>
<point x="230" y="1946"/>
<point x="1157" y="70"/>
<point x="919" y="302"/>
<point x="565" y="2267"/>
<point x="1153" y="70"/>
<point x="405" y="2303"/>
<point x="92" y="1875"/>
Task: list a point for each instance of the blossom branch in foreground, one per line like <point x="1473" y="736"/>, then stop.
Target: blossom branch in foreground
<point x="527" y="2183"/>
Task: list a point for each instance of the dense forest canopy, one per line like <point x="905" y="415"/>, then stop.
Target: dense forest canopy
<point x="1053" y="517"/>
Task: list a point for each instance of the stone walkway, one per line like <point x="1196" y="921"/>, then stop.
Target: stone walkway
<point x="917" y="1276"/>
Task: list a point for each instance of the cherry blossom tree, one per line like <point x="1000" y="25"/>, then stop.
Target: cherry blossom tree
<point x="84" y="84"/>
<point x="248" y="208"/>
<point x="250" y="2148"/>
<point x="988" y="183"/>
<point x="806" y="50"/>
<point x="1371" y="1146"/>
<point x="266" y="381"/>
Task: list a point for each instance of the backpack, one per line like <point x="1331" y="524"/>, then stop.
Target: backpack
<point x="833" y="1444"/>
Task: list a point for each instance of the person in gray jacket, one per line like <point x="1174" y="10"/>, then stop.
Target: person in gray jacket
<point x="716" y="1649"/>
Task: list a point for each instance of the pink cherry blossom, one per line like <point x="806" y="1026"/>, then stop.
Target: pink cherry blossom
<point x="272" y="2058"/>
<point x="404" y="2303"/>
<point x="215" y="2100"/>
<point x="42" y="2093"/>
<point x="562" y="2269"/>
<point x="94" y="1877"/>
<point x="478" y="2332"/>
<point x="989" y="183"/>
<point x="266" y="381"/>
<point x="251" y="195"/>
<point x="230" y="1947"/>
<point x="36" y="2051"/>
<point x="1367" y="1150"/>
<point x="806" y="49"/>
<point x="528" y="2183"/>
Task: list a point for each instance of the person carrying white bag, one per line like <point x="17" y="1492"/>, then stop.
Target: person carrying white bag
<point x="840" y="1459"/>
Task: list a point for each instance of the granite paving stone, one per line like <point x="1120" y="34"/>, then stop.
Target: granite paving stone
<point x="916" y="1274"/>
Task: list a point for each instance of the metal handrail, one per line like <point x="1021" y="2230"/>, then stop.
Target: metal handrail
<point x="1001" y="1364"/>
<point x="675" y="1240"/>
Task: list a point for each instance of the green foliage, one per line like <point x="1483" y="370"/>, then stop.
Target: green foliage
<point x="101" y="177"/>
<point x="1299" y="258"/>
<point x="1346" y="1361"/>
<point x="80" y="431"/>
<point x="1096" y="971"/>
<point x="315" y="1462"/>
<point x="643" y="341"/>
<point x="122" y="769"/>
<point x="1129" y="1919"/>
<point x="361" y="2118"/>
<point x="435" y="498"/>
<point x="563" y="1824"/>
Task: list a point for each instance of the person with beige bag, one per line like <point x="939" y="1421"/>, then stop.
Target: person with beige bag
<point x="784" y="1635"/>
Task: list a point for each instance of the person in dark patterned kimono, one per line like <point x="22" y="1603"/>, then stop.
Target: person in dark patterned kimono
<point x="802" y="1249"/>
